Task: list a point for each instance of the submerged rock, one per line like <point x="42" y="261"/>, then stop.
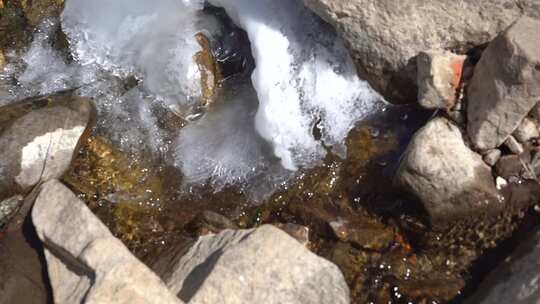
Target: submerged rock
<point x="85" y="262"/>
<point x="505" y="88"/>
<point x="39" y="145"/>
<point x="248" y="266"/>
<point x="439" y="75"/>
<point x="385" y="36"/>
<point x="451" y="180"/>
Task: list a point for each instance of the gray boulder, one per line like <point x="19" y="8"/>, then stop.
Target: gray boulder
<point x="263" y="265"/>
<point x="39" y="145"/>
<point x="517" y="280"/>
<point x="85" y="262"/>
<point x="505" y="86"/>
<point x="450" y="179"/>
<point x="384" y="36"/>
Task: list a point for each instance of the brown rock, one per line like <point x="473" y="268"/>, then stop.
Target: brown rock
<point x="439" y="76"/>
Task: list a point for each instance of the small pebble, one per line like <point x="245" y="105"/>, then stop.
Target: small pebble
<point x="501" y="183"/>
<point x="514" y="146"/>
<point x="492" y="157"/>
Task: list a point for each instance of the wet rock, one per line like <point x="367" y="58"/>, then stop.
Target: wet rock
<point x="504" y="88"/>
<point x="516" y="280"/>
<point x="2" y="60"/>
<point x="385" y="36"/>
<point x="267" y="265"/>
<point x="298" y="232"/>
<point x="85" y="262"/>
<point x="509" y="166"/>
<point x="209" y="69"/>
<point x="526" y="131"/>
<point x="366" y="235"/>
<point x="450" y="179"/>
<point x="439" y="75"/>
<point x="35" y="11"/>
<point x="208" y="222"/>
<point x="513" y="145"/>
<point x="8" y="208"/>
<point x="492" y="156"/>
<point x="39" y="145"/>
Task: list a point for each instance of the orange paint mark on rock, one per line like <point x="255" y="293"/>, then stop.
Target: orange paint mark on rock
<point x="457" y="68"/>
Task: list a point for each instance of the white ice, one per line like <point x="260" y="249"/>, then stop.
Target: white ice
<point x="303" y="75"/>
<point x="152" y="40"/>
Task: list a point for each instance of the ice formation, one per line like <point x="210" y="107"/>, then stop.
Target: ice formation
<point x="304" y="79"/>
<point x="152" y="40"/>
<point x="224" y="148"/>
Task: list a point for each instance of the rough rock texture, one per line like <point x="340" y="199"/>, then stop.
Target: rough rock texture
<point x="504" y="88"/>
<point x="450" y="179"/>
<point x="8" y="207"/>
<point x="513" y="145"/>
<point x="526" y="131"/>
<point x="492" y="157"/>
<point x="385" y="35"/>
<point x="517" y="280"/>
<point x="439" y="75"/>
<point x="39" y="146"/>
<point x="263" y="265"/>
<point x="86" y="263"/>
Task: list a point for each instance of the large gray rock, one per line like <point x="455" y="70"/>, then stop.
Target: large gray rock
<point x="385" y="35"/>
<point x="505" y="86"/>
<point x="517" y="280"/>
<point x="39" y="145"/>
<point x="451" y="180"/>
<point x="264" y="265"/>
<point x="85" y="262"/>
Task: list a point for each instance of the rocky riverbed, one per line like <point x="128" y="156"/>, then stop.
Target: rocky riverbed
<point x="109" y="194"/>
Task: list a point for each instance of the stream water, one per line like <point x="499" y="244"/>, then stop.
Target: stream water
<point x="259" y="117"/>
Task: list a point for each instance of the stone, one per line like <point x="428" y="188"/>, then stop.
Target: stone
<point x="516" y="279"/>
<point x="492" y="156"/>
<point x="535" y="113"/>
<point x="450" y="180"/>
<point x="85" y="262"/>
<point x="298" y="232"/>
<point x="263" y="265"/>
<point x="509" y="166"/>
<point x="384" y="36"/>
<point x="8" y="208"/>
<point x="439" y="76"/>
<point x="504" y="88"/>
<point x="36" y="11"/>
<point x="2" y="60"/>
<point x="526" y="131"/>
<point x="207" y="222"/>
<point x="513" y="145"/>
<point x="39" y="145"/>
